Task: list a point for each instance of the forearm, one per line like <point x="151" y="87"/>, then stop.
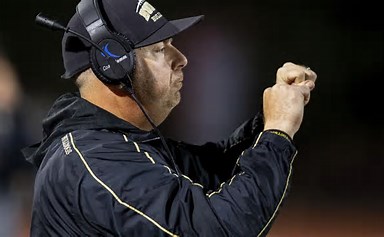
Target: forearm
<point x="213" y="163"/>
<point x="258" y="189"/>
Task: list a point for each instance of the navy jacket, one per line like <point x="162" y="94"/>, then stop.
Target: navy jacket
<point x="100" y="176"/>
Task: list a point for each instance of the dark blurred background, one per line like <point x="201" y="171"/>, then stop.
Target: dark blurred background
<point x="338" y="179"/>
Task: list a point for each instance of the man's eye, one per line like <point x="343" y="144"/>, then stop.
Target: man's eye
<point x="160" y="50"/>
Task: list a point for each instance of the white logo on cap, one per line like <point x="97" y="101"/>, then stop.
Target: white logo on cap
<point x="145" y="10"/>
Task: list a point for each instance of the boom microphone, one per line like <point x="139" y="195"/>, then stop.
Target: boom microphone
<point x="46" y="22"/>
<point x="55" y="25"/>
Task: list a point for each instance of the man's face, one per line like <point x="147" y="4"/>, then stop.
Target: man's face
<point x="158" y="77"/>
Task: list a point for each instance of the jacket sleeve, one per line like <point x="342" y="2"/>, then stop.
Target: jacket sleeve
<point x="141" y="196"/>
<point x="212" y="163"/>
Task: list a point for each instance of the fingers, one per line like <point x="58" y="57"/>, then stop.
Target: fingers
<point x="310" y="84"/>
<point x="291" y="73"/>
<point x="310" y="75"/>
<point x="305" y="88"/>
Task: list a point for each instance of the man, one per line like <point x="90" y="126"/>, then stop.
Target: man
<point x="105" y="170"/>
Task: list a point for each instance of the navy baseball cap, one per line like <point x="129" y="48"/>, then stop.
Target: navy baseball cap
<point x="136" y="20"/>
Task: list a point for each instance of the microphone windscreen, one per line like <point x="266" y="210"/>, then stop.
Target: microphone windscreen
<point x="46" y="22"/>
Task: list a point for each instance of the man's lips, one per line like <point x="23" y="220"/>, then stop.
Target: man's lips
<point x="179" y="84"/>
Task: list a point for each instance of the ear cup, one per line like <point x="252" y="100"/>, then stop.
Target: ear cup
<point x="115" y="63"/>
<point x="129" y="47"/>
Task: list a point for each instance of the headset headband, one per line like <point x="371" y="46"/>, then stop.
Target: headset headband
<point x="93" y="21"/>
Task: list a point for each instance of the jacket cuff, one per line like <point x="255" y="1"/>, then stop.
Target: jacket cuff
<point x="281" y="142"/>
<point x="279" y="133"/>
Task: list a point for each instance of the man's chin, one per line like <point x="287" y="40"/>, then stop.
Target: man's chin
<point x="176" y="100"/>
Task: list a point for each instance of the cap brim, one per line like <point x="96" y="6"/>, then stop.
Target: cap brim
<point x="169" y="30"/>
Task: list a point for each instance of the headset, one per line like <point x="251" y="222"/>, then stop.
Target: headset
<point x="116" y="47"/>
<point x="112" y="57"/>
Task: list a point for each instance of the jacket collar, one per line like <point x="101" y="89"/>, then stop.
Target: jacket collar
<point x="70" y="112"/>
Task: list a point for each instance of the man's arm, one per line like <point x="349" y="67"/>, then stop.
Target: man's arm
<point x="152" y="200"/>
<point x="213" y="163"/>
